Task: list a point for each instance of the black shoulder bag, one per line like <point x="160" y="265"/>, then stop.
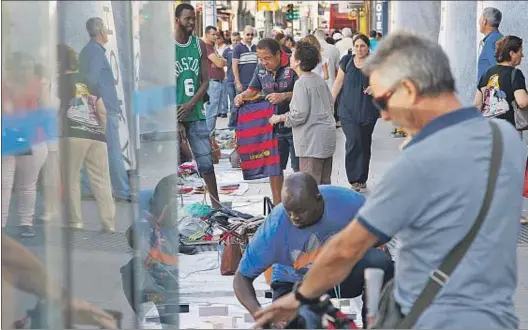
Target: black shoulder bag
<point x="389" y="314"/>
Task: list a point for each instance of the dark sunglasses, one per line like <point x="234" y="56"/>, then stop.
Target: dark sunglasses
<point x="249" y="34"/>
<point x="381" y="101"/>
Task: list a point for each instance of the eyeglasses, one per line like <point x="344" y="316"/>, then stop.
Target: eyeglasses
<point x="381" y="101"/>
<point x="249" y="34"/>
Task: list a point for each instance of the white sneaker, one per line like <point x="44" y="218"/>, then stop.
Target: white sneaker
<point x="76" y="225"/>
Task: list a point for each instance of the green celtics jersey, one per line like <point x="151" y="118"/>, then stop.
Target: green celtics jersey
<point x="187" y="66"/>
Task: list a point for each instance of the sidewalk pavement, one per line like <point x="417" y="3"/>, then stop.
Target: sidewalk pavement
<point x="98" y="257"/>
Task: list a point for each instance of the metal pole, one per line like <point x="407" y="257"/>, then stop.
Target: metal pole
<point x="268" y="23"/>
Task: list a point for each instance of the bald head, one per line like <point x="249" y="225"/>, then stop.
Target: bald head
<point x="301" y="199"/>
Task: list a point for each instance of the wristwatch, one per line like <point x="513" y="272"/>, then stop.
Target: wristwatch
<point x="302" y="299"/>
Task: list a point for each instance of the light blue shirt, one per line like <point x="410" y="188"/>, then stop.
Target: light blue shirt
<point x="290" y="249"/>
<point x="487" y="54"/>
<point x="430" y="198"/>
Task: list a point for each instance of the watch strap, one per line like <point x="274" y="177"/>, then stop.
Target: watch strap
<point x="302" y="299"/>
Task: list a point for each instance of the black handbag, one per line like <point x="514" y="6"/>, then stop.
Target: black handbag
<point x="389" y="314"/>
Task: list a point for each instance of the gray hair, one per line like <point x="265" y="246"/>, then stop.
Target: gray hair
<point x="347" y="33"/>
<point x="406" y="55"/>
<point x="249" y="28"/>
<point x="493" y="16"/>
<point x="320" y="34"/>
<point x="95" y="26"/>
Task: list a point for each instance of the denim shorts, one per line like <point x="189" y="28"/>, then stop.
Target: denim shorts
<point x="200" y="143"/>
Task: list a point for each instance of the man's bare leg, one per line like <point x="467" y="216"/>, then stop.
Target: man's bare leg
<point x="276" y="187"/>
<point x="210" y="181"/>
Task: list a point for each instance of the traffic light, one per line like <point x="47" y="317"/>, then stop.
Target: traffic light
<point x="289" y="12"/>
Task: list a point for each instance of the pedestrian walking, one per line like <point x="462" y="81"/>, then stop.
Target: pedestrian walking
<point x="356" y="112"/>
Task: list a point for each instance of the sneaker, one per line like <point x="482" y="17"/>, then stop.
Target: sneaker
<point x="76" y="225"/>
<point x="524" y="220"/>
<point x="222" y="115"/>
<point x="27" y="231"/>
<point x="363" y="186"/>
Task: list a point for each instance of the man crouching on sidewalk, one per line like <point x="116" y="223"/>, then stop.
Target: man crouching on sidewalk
<point x="291" y="238"/>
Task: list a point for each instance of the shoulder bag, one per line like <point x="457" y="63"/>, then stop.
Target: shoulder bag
<point x="389" y="314"/>
<point x="520" y="115"/>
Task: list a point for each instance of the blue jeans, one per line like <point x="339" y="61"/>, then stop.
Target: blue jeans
<point x="215" y="91"/>
<point x="229" y="92"/>
<point x="118" y="174"/>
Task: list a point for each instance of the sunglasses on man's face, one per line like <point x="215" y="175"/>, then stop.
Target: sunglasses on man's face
<point x="249" y="34"/>
<point x="381" y="102"/>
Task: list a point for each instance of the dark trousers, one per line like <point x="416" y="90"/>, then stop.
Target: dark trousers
<point x="353" y="286"/>
<point x="357" y="150"/>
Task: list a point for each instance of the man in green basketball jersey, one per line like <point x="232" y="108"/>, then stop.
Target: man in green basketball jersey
<point x="192" y="81"/>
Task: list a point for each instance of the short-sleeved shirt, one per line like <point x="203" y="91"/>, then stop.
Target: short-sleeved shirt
<point x="215" y="73"/>
<point x="499" y="90"/>
<point x="354" y="104"/>
<point x="228" y="55"/>
<point x="290" y="249"/>
<point x="283" y="81"/>
<point x="487" y="52"/>
<point x="444" y="172"/>
<point x="247" y="62"/>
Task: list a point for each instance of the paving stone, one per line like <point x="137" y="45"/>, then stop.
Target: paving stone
<point x="213" y="311"/>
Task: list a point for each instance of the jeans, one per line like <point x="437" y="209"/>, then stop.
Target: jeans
<point x="230" y="93"/>
<point x="118" y="173"/>
<point x="287" y="151"/>
<point x="215" y="91"/>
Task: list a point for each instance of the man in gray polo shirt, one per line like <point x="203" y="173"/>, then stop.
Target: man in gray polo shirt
<point x="430" y="198"/>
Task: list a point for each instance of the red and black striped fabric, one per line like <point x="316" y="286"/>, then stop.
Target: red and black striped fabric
<point x="257" y="145"/>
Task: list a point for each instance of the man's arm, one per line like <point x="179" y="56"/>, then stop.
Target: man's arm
<point x="218" y="61"/>
<point x="234" y="65"/>
<point x="245" y="292"/>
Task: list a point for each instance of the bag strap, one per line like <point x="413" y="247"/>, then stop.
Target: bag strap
<point x="440" y="276"/>
<point x="349" y="63"/>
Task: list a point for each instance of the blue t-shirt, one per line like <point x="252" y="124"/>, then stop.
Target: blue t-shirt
<point x="444" y="172"/>
<point x="247" y="62"/>
<point x="292" y="250"/>
<point x="228" y="55"/>
<point x="487" y="54"/>
<point x="373" y="44"/>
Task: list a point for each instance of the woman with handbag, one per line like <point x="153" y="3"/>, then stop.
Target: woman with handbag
<point x="83" y="129"/>
<point x="502" y="89"/>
